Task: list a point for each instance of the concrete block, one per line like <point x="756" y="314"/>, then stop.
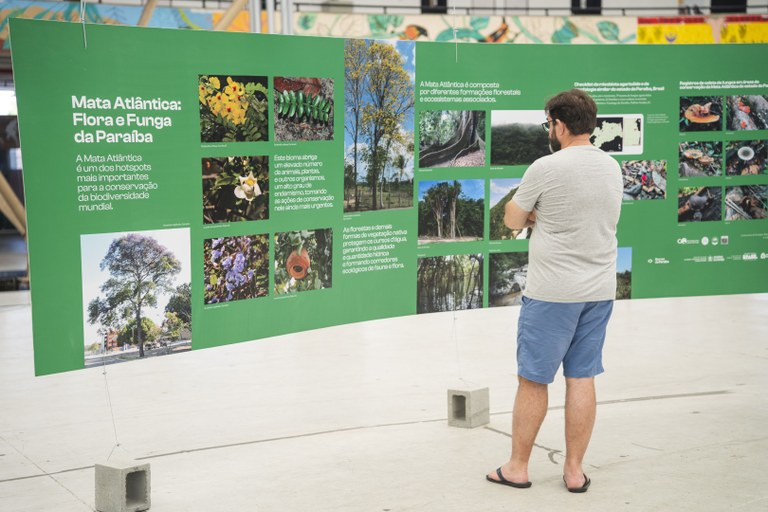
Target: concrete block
<point x="122" y="486"/>
<point x="468" y="408"/>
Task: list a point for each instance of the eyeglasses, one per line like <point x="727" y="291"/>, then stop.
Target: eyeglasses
<point x="546" y="125"/>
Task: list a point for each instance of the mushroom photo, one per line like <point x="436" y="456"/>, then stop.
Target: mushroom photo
<point x="701" y="113"/>
<point x="700" y="159"/>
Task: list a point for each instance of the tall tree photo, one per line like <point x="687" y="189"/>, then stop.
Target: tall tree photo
<point x="139" y="267"/>
<point x="379" y="98"/>
<point x="355" y="74"/>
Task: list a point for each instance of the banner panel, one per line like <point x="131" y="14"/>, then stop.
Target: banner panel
<point x="189" y="189"/>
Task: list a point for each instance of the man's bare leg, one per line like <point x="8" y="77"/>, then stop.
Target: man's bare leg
<point x="580" y="408"/>
<point x="530" y="408"/>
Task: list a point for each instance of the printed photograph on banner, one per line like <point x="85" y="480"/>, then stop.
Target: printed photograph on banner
<point x="746" y="157"/>
<point x="136" y="295"/>
<point x="303" y="260"/>
<point x="507" y="275"/>
<point x="644" y="179"/>
<point x="747" y="112"/>
<point x="379" y="81"/>
<point x="451" y="211"/>
<point x="699" y="204"/>
<point x="700" y="159"/>
<point x="701" y="113"/>
<point x="502" y="192"/>
<point x="449" y="283"/>
<point x="633" y="134"/>
<point x="235" y="189"/>
<point x="620" y="134"/>
<point x="451" y="138"/>
<point x="233" y="108"/>
<point x="624" y="273"/>
<point x="747" y="202"/>
<point x="303" y="108"/>
<point x="609" y="134"/>
<point x="236" y="268"/>
<point x="517" y="137"/>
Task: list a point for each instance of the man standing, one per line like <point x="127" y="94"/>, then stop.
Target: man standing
<point x="574" y="199"/>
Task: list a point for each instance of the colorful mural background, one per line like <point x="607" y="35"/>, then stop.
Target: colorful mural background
<point x="483" y="29"/>
<point x="105" y="14"/>
<point x="426" y="27"/>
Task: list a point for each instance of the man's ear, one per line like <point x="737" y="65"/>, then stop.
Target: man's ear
<point x="562" y="126"/>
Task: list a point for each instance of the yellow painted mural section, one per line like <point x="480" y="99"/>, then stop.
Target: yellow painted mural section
<point x="745" y="32"/>
<point x="703" y="29"/>
<point x="667" y="33"/>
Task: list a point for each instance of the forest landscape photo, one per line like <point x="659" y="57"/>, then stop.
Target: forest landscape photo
<point x="450" y="283"/>
<point x="517" y="137"/>
<point x="451" y="211"/>
<point x="502" y="192"/>
<point x="623" y="273"/>
<point x="507" y="277"/>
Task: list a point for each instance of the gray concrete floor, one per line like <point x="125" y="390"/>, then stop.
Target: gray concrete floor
<point x="353" y="418"/>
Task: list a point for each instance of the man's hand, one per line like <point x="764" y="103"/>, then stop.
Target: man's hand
<point x="517" y="218"/>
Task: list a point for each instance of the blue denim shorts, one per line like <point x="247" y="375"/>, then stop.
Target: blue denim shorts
<point x="551" y="333"/>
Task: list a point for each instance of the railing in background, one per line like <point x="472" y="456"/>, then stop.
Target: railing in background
<point x="349" y="7"/>
<point x="676" y="10"/>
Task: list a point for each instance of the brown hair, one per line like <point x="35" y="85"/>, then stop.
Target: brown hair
<point x="576" y="109"/>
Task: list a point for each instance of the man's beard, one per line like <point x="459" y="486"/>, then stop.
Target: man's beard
<point x="554" y="144"/>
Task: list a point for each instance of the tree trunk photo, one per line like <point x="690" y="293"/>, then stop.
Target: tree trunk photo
<point x="465" y="140"/>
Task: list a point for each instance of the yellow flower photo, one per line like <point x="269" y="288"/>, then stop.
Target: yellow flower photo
<point x="233" y="108"/>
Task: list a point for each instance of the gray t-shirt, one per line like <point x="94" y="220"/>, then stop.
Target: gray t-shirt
<point x="577" y="195"/>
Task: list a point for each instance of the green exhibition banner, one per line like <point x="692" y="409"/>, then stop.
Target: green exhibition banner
<point x="189" y="189"/>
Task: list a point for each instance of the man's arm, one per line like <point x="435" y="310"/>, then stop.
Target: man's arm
<point x="517" y="218"/>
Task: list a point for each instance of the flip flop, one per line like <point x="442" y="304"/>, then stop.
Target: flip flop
<point x="583" y="488"/>
<point x="504" y="481"/>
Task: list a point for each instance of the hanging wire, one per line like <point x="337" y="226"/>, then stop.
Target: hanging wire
<point x="82" y="19"/>
<point x="109" y="401"/>
<point x="103" y="357"/>
<point x="455" y="337"/>
<point x="455" y="33"/>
